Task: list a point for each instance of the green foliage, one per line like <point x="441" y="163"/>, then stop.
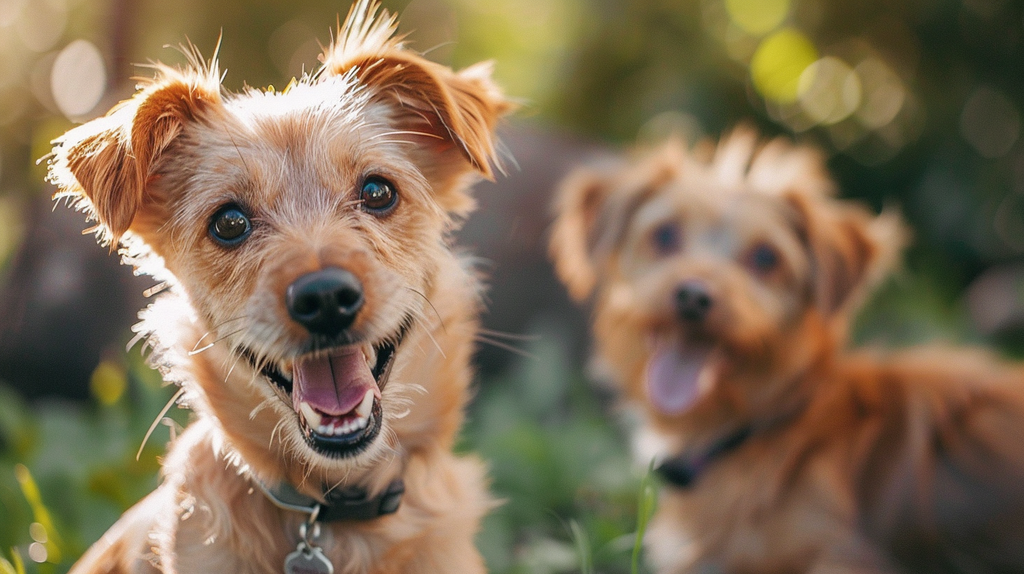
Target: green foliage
<point x="68" y="471"/>
<point x="560" y="465"/>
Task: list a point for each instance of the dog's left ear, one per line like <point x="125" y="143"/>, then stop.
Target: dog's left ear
<point x="851" y="249"/>
<point x="450" y="116"/>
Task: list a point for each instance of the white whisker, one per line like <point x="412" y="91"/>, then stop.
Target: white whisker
<point x="163" y="412"/>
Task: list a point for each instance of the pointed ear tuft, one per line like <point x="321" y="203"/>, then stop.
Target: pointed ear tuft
<point x="104" y="166"/>
<point x="435" y="107"/>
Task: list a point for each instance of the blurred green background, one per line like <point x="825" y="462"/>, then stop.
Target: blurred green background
<point x="917" y="103"/>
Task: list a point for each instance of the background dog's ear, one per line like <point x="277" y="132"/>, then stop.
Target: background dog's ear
<point x="580" y="201"/>
<point x="449" y="115"/>
<point x="104" y="166"/>
<point x="851" y="249"/>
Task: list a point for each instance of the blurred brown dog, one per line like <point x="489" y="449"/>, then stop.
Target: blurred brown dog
<point x="315" y="317"/>
<point x="723" y="283"/>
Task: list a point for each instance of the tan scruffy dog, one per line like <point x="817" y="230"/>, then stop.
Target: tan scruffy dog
<point x="723" y="280"/>
<point x="316" y="318"/>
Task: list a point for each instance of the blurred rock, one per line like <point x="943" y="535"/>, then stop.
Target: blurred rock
<point x="509" y="232"/>
<point x="64" y="302"/>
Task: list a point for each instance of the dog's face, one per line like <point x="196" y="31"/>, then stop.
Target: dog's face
<point x="713" y="277"/>
<point x="303" y="226"/>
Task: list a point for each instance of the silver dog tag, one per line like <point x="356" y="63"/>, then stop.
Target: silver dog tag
<point x="307" y="560"/>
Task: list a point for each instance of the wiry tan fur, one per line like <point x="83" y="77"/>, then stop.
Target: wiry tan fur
<point x="153" y="171"/>
<point x="859" y="461"/>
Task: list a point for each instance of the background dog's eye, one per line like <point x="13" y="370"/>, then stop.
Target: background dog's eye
<point x="378" y="195"/>
<point x="764" y="258"/>
<point x="666" y="238"/>
<point x="230" y="225"/>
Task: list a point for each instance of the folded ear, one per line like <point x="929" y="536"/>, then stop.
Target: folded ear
<point x="104" y="166"/>
<point x="851" y="249"/>
<point x="582" y="198"/>
<point x="451" y="115"/>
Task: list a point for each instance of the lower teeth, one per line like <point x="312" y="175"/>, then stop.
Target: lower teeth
<point x="343" y="429"/>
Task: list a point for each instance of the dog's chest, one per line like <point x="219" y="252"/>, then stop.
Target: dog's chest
<point x="746" y="514"/>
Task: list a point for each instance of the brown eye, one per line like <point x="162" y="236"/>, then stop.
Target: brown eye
<point x="667" y="238"/>
<point x="763" y="258"/>
<point x="378" y="195"/>
<point x="229" y="226"/>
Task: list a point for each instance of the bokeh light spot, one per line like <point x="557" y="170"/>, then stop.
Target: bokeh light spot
<point x="829" y="91"/>
<point x="990" y="122"/>
<point x="884" y="94"/>
<point x="108" y="382"/>
<point x="78" y="78"/>
<point x="37" y="532"/>
<point x="779" y="62"/>
<point x="37" y="552"/>
<point x="757" y="17"/>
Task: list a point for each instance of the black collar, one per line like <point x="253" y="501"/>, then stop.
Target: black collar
<point x="339" y="504"/>
<point x="683" y="470"/>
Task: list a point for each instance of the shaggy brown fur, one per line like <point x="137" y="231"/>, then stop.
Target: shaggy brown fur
<point x="302" y="166"/>
<point x="723" y="280"/>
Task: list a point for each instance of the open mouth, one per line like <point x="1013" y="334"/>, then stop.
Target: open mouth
<point x="678" y="373"/>
<point x="336" y="393"/>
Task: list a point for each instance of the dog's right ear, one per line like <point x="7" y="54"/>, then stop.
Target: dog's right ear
<point x="851" y="250"/>
<point x="105" y="165"/>
<point x="581" y="199"/>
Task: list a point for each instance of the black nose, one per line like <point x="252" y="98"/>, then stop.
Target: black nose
<point x="693" y="301"/>
<point x="325" y="302"/>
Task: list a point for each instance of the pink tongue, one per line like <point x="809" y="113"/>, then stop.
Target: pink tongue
<point x="673" y="376"/>
<point x="333" y="385"/>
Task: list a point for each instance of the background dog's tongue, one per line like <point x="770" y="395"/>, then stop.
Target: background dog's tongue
<point x="333" y="385"/>
<point x="673" y="377"/>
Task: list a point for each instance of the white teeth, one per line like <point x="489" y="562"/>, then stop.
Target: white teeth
<point x="288" y="372"/>
<point x="312" y="417"/>
<point x="363" y="410"/>
<point x="335" y="427"/>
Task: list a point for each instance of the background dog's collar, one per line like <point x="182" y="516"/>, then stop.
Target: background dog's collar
<point x="339" y="504"/>
<point x="684" y="470"/>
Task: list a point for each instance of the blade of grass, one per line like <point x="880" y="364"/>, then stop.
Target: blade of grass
<point x="17" y="567"/>
<point x="645" y="509"/>
<point x="582" y="542"/>
<point x="30" y="490"/>
<point x="6" y="567"/>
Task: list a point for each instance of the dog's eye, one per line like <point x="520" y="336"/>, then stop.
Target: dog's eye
<point x="230" y="225"/>
<point x="763" y="258"/>
<point x="666" y="238"/>
<point x="378" y="195"/>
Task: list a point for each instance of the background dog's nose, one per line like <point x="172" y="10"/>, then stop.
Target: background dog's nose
<point x="693" y="301"/>
<point x="325" y="302"/>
